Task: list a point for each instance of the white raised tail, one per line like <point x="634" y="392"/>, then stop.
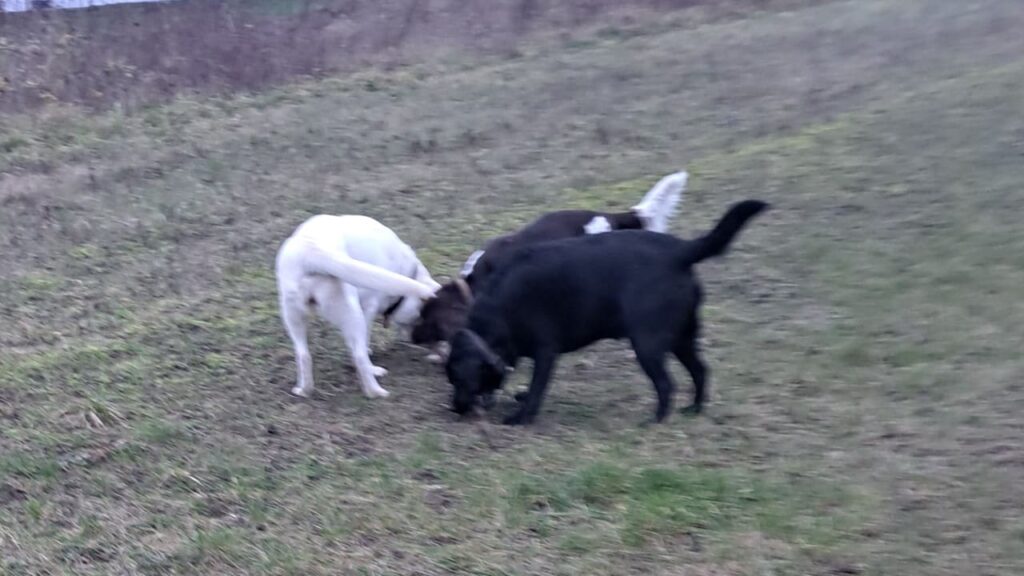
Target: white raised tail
<point x="318" y="260"/>
<point x="660" y="203"/>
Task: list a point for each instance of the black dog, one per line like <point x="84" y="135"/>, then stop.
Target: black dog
<point x="557" y="297"/>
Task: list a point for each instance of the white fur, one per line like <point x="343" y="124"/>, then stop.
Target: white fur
<point x="598" y="225"/>
<point x="347" y="269"/>
<point x="467" y="268"/>
<point x="660" y="203"/>
<point x="440" y="354"/>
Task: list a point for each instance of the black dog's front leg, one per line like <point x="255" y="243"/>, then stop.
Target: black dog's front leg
<point x="543" y="365"/>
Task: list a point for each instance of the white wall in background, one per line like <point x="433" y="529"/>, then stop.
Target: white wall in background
<point x="22" y="5"/>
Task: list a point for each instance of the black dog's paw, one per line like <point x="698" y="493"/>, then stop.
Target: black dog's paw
<point x="693" y="409"/>
<point x="520" y="418"/>
<point x="487" y="401"/>
<point x="658" y="418"/>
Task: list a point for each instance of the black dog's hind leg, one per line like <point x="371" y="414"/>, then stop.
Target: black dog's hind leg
<point x="686" y="350"/>
<point x="543" y="366"/>
<point x="651" y="356"/>
<point x="654" y="366"/>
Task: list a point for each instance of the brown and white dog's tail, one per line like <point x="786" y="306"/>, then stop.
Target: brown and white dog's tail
<point x="318" y="260"/>
<point x="467" y="268"/>
<point x="660" y="203"/>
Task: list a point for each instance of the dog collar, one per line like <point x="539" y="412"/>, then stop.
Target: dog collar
<point x="391" y="309"/>
<point x="386" y="315"/>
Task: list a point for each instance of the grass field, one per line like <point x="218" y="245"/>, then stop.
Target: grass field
<point x="864" y="337"/>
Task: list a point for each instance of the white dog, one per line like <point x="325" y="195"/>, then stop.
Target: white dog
<point x="348" y="269"/>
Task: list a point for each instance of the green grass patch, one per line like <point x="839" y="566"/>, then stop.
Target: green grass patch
<point x="655" y="503"/>
<point x="161" y="432"/>
<point x="29" y="466"/>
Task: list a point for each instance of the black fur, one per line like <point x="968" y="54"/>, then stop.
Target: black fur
<point x="445" y="314"/>
<point x="552" y="226"/>
<point x="557" y="297"/>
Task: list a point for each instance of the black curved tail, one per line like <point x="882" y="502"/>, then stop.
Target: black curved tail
<point x="716" y="242"/>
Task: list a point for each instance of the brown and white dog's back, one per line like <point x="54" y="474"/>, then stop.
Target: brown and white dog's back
<point x="347" y="269"/>
<point x="445" y="314"/>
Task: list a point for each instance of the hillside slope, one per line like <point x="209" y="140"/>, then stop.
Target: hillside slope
<point x="863" y="336"/>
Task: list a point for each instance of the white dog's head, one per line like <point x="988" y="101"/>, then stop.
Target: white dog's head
<point x="408" y="310"/>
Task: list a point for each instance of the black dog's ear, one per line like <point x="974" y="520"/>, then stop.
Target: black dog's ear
<point x="492" y="359"/>
<point x="464" y="290"/>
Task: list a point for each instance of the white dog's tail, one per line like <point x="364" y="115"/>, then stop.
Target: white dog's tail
<point x="347" y="269"/>
<point x="659" y="205"/>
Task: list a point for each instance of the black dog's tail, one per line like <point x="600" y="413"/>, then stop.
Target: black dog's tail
<point x="716" y="242"/>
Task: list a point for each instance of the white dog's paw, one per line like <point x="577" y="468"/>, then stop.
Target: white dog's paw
<point x="301" y="392"/>
<point x="379" y="372"/>
<point x="377" y="392"/>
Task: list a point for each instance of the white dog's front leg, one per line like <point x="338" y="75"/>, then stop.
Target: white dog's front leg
<point x="352" y="323"/>
<point x="371" y="306"/>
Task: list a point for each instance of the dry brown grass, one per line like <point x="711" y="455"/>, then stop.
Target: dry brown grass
<point x="134" y="55"/>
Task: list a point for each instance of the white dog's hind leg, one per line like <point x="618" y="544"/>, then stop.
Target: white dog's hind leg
<point x="347" y="316"/>
<point x="294" y="316"/>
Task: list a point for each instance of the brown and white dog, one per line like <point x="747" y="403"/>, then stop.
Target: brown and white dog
<point x="445" y="314"/>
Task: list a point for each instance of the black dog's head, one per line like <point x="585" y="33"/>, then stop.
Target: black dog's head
<point x="444" y="314"/>
<point x="475" y="370"/>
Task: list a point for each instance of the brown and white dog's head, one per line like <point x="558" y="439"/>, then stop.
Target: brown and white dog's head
<point x="406" y="310"/>
<point x="442" y="316"/>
